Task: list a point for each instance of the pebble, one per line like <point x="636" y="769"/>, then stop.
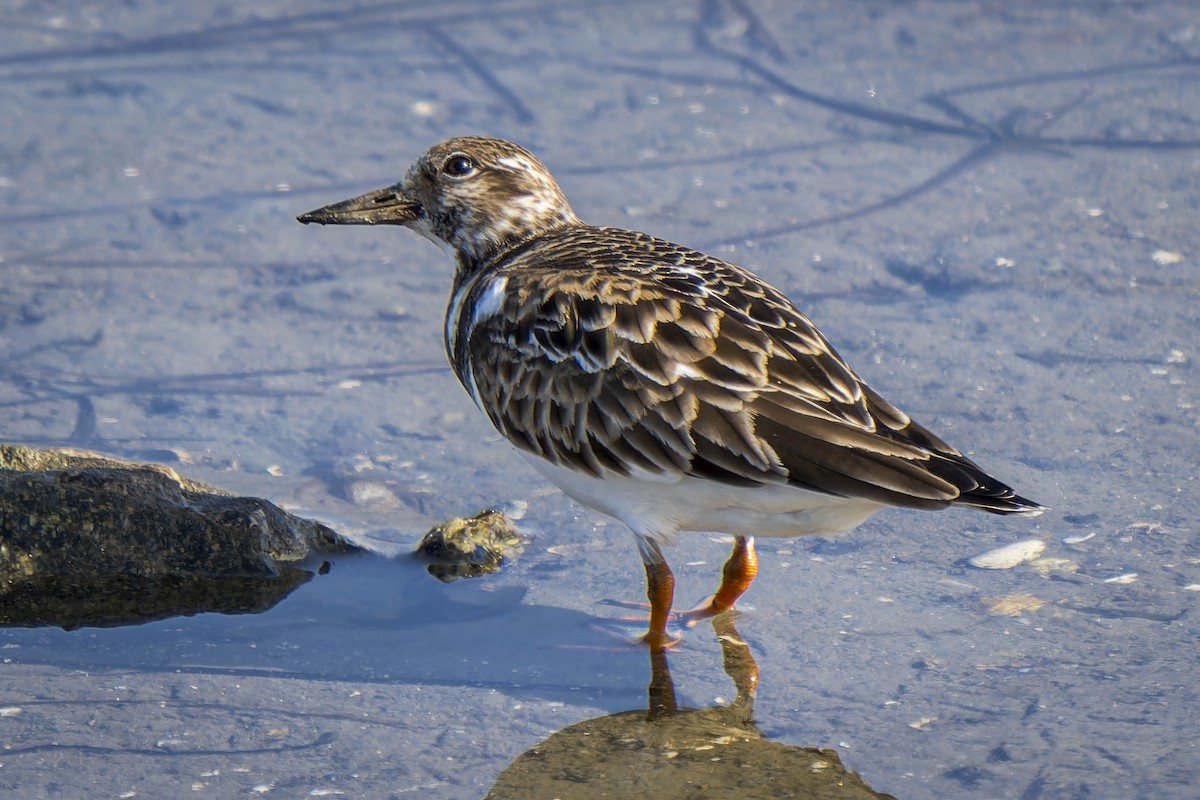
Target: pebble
<point x="1054" y="566"/>
<point x="1010" y="555"/>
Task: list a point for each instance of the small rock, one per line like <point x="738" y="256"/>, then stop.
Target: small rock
<point x="1010" y="555"/>
<point x="470" y="547"/>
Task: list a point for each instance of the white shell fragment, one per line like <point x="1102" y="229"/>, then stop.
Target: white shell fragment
<point x="1010" y="555"/>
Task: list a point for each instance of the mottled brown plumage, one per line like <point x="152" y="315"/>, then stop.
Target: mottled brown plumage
<point x="653" y="382"/>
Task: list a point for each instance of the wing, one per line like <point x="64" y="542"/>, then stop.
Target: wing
<point x="667" y="360"/>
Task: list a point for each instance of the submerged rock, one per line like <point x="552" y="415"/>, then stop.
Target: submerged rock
<point x="672" y="753"/>
<point x="91" y="540"/>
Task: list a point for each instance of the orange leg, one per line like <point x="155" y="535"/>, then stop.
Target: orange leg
<point x="736" y="578"/>
<point x="660" y="591"/>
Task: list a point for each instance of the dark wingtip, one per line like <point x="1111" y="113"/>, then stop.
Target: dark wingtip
<point x="978" y="489"/>
<point x="1004" y="504"/>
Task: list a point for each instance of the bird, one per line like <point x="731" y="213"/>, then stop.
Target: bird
<point x="659" y="385"/>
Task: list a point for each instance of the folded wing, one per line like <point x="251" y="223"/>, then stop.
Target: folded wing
<point x="670" y="361"/>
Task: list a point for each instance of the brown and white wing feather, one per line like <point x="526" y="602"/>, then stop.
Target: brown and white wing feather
<point x="670" y="361"/>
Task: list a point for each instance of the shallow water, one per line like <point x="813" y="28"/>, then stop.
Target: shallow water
<point x="990" y="209"/>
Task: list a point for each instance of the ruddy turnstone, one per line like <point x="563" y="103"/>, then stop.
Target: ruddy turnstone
<point x="662" y="386"/>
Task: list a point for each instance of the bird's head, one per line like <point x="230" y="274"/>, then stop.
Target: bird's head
<point x="477" y="195"/>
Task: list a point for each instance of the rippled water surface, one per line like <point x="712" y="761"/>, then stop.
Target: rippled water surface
<point x="990" y="208"/>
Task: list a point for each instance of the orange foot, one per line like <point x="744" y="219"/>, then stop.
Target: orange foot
<point x="690" y="618"/>
<point x="656" y="636"/>
<point x="657" y="641"/>
<point x="706" y="609"/>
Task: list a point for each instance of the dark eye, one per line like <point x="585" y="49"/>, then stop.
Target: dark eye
<point x="458" y="166"/>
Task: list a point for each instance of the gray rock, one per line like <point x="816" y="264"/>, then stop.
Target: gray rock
<point x="90" y="540"/>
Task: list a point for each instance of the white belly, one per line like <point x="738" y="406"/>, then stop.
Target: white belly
<point x="657" y="506"/>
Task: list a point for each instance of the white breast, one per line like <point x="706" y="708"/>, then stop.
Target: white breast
<point x="489" y="301"/>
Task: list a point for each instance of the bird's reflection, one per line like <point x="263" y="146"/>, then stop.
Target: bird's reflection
<point x="667" y="752"/>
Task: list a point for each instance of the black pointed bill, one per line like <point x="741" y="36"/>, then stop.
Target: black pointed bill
<point x="390" y="206"/>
